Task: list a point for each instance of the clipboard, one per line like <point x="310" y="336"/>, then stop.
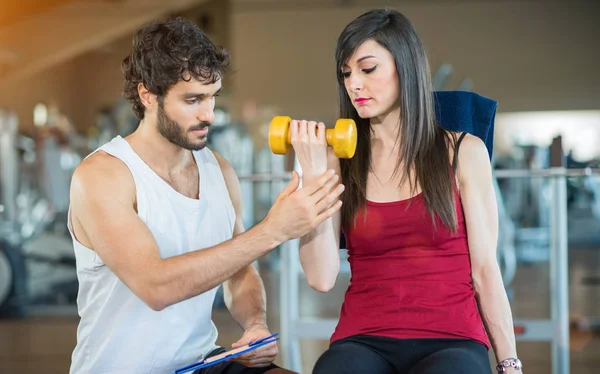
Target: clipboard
<point x="228" y="354"/>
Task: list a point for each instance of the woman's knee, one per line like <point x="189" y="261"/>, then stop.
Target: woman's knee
<point x="351" y="357"/>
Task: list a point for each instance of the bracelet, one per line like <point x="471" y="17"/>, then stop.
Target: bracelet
<point x="514" y="363"/>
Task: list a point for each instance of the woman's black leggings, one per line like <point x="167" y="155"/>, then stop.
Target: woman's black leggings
<point x="380" y="355"/>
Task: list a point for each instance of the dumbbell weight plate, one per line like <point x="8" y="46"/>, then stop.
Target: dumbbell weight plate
<point x="279" y="134"/>
<point x="345" y="138"/>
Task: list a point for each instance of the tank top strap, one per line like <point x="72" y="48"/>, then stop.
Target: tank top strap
<point x="456" y="147"/>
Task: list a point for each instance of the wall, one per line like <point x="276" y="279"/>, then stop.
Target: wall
<point x="99" y="80"/>
<point x="51" y="87"/>
<point x="528" y="55"/>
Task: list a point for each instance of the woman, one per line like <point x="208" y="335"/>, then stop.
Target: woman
<point x="424" y="296"/>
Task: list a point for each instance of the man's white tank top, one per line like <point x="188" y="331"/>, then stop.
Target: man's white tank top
<point x="118" y="333"/>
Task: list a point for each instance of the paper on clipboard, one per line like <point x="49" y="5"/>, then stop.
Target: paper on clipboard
<point x="228" y="354"/>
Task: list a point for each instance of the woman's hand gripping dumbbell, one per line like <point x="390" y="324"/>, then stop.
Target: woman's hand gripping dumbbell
<point x="342" y="138"/>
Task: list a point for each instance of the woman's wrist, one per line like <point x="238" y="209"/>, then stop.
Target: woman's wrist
<point x="310" y="175"/>
<point x="508" y="365"/>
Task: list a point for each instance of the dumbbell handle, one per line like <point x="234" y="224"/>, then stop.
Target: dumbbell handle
<point x="328" y="136"/>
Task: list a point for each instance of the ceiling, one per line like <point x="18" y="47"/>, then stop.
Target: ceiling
<point x="15" y="11"/>
<point x="37" y="34"/>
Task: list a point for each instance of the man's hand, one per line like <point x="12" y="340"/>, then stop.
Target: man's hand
<point x="260" y="357"/>
<point x="296" y="212"/>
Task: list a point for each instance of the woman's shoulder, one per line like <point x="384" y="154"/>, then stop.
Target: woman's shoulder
<point x="472" y="146"/>
<point x="465" y="145"/>
<point x="472" y="158"/>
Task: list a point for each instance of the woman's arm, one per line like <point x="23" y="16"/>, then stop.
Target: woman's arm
<point x="481" y="217"/>
<point x="319" y="249"/>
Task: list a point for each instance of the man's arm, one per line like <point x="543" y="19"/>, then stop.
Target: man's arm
<point x="104" y="219"/>
<point x="244" y="293"/>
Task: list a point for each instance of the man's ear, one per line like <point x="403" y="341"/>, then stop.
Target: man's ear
<point x="148" y="98"/>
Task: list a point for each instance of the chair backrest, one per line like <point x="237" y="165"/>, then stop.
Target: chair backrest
<point x="467" y="111"/>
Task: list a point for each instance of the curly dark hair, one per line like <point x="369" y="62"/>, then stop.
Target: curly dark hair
<point x="165" y="52"/>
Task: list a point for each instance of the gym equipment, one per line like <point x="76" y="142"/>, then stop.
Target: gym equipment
<point x="13" y="280"/>
<point x="26" y="213"/>
<point x="506" y="253"/>
<point x="342" y="138"/>
<point x="554" y="330"/>
<point x="442" y="75"/>
<point x="12" y="269"/>
<point x="231" y="141"/>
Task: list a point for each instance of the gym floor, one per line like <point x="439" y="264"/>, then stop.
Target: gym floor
<point x="44" y="344"/>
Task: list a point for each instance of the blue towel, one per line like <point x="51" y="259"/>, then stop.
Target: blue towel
<point x="467" y="111"/>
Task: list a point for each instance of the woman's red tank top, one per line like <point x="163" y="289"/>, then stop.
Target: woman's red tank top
<point x="409" y="280"/>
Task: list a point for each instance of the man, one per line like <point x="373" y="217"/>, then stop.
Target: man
<point x="157" y="225"/>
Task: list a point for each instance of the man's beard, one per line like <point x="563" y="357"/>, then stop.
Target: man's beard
<point x="173" y="132"/>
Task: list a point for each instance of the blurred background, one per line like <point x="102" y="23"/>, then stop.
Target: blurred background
<point x="60" y="98"/>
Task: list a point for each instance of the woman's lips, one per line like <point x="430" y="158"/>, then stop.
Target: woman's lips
<point x="361" y="100"/>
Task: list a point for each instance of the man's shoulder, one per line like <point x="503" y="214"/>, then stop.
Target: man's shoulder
<point x="101" y="173"/>
<point x="101" y="164"/>
<point x="232" y="182"/>
<point x="226" y="168"/>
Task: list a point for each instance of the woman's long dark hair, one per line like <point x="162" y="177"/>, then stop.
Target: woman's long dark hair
<point x="424" y="145"/>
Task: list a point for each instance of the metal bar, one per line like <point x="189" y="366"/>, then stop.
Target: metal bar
<point x="294" y="297"/>
<point x="559" y="275"/>
<point x="266" y="177"/>
<point x="9" y="165"/>
<point x="288" y="299"/>
<point x="288" y="291"/>
<point x="322" y="328"/>
<point x="535" y="330"/>
<point x="545" y="173"/>
<point x="499" y="173"/>
<point x="285" y="282"/>
<point x="317" y="328"/>
<point x="285" y="321"/>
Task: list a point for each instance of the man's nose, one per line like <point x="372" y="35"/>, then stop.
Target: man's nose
<point x="206" y="115"/>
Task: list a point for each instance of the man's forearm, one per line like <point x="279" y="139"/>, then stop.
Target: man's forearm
<point x="245" y="298"/>
<point x="496" y="313"/>
<point x="178" y="278"/>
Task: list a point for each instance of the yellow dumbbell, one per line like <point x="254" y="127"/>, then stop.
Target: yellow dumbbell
<point x="342" y="138"/>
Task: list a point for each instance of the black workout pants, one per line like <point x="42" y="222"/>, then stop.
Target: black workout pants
<point x="380" y="355"/>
